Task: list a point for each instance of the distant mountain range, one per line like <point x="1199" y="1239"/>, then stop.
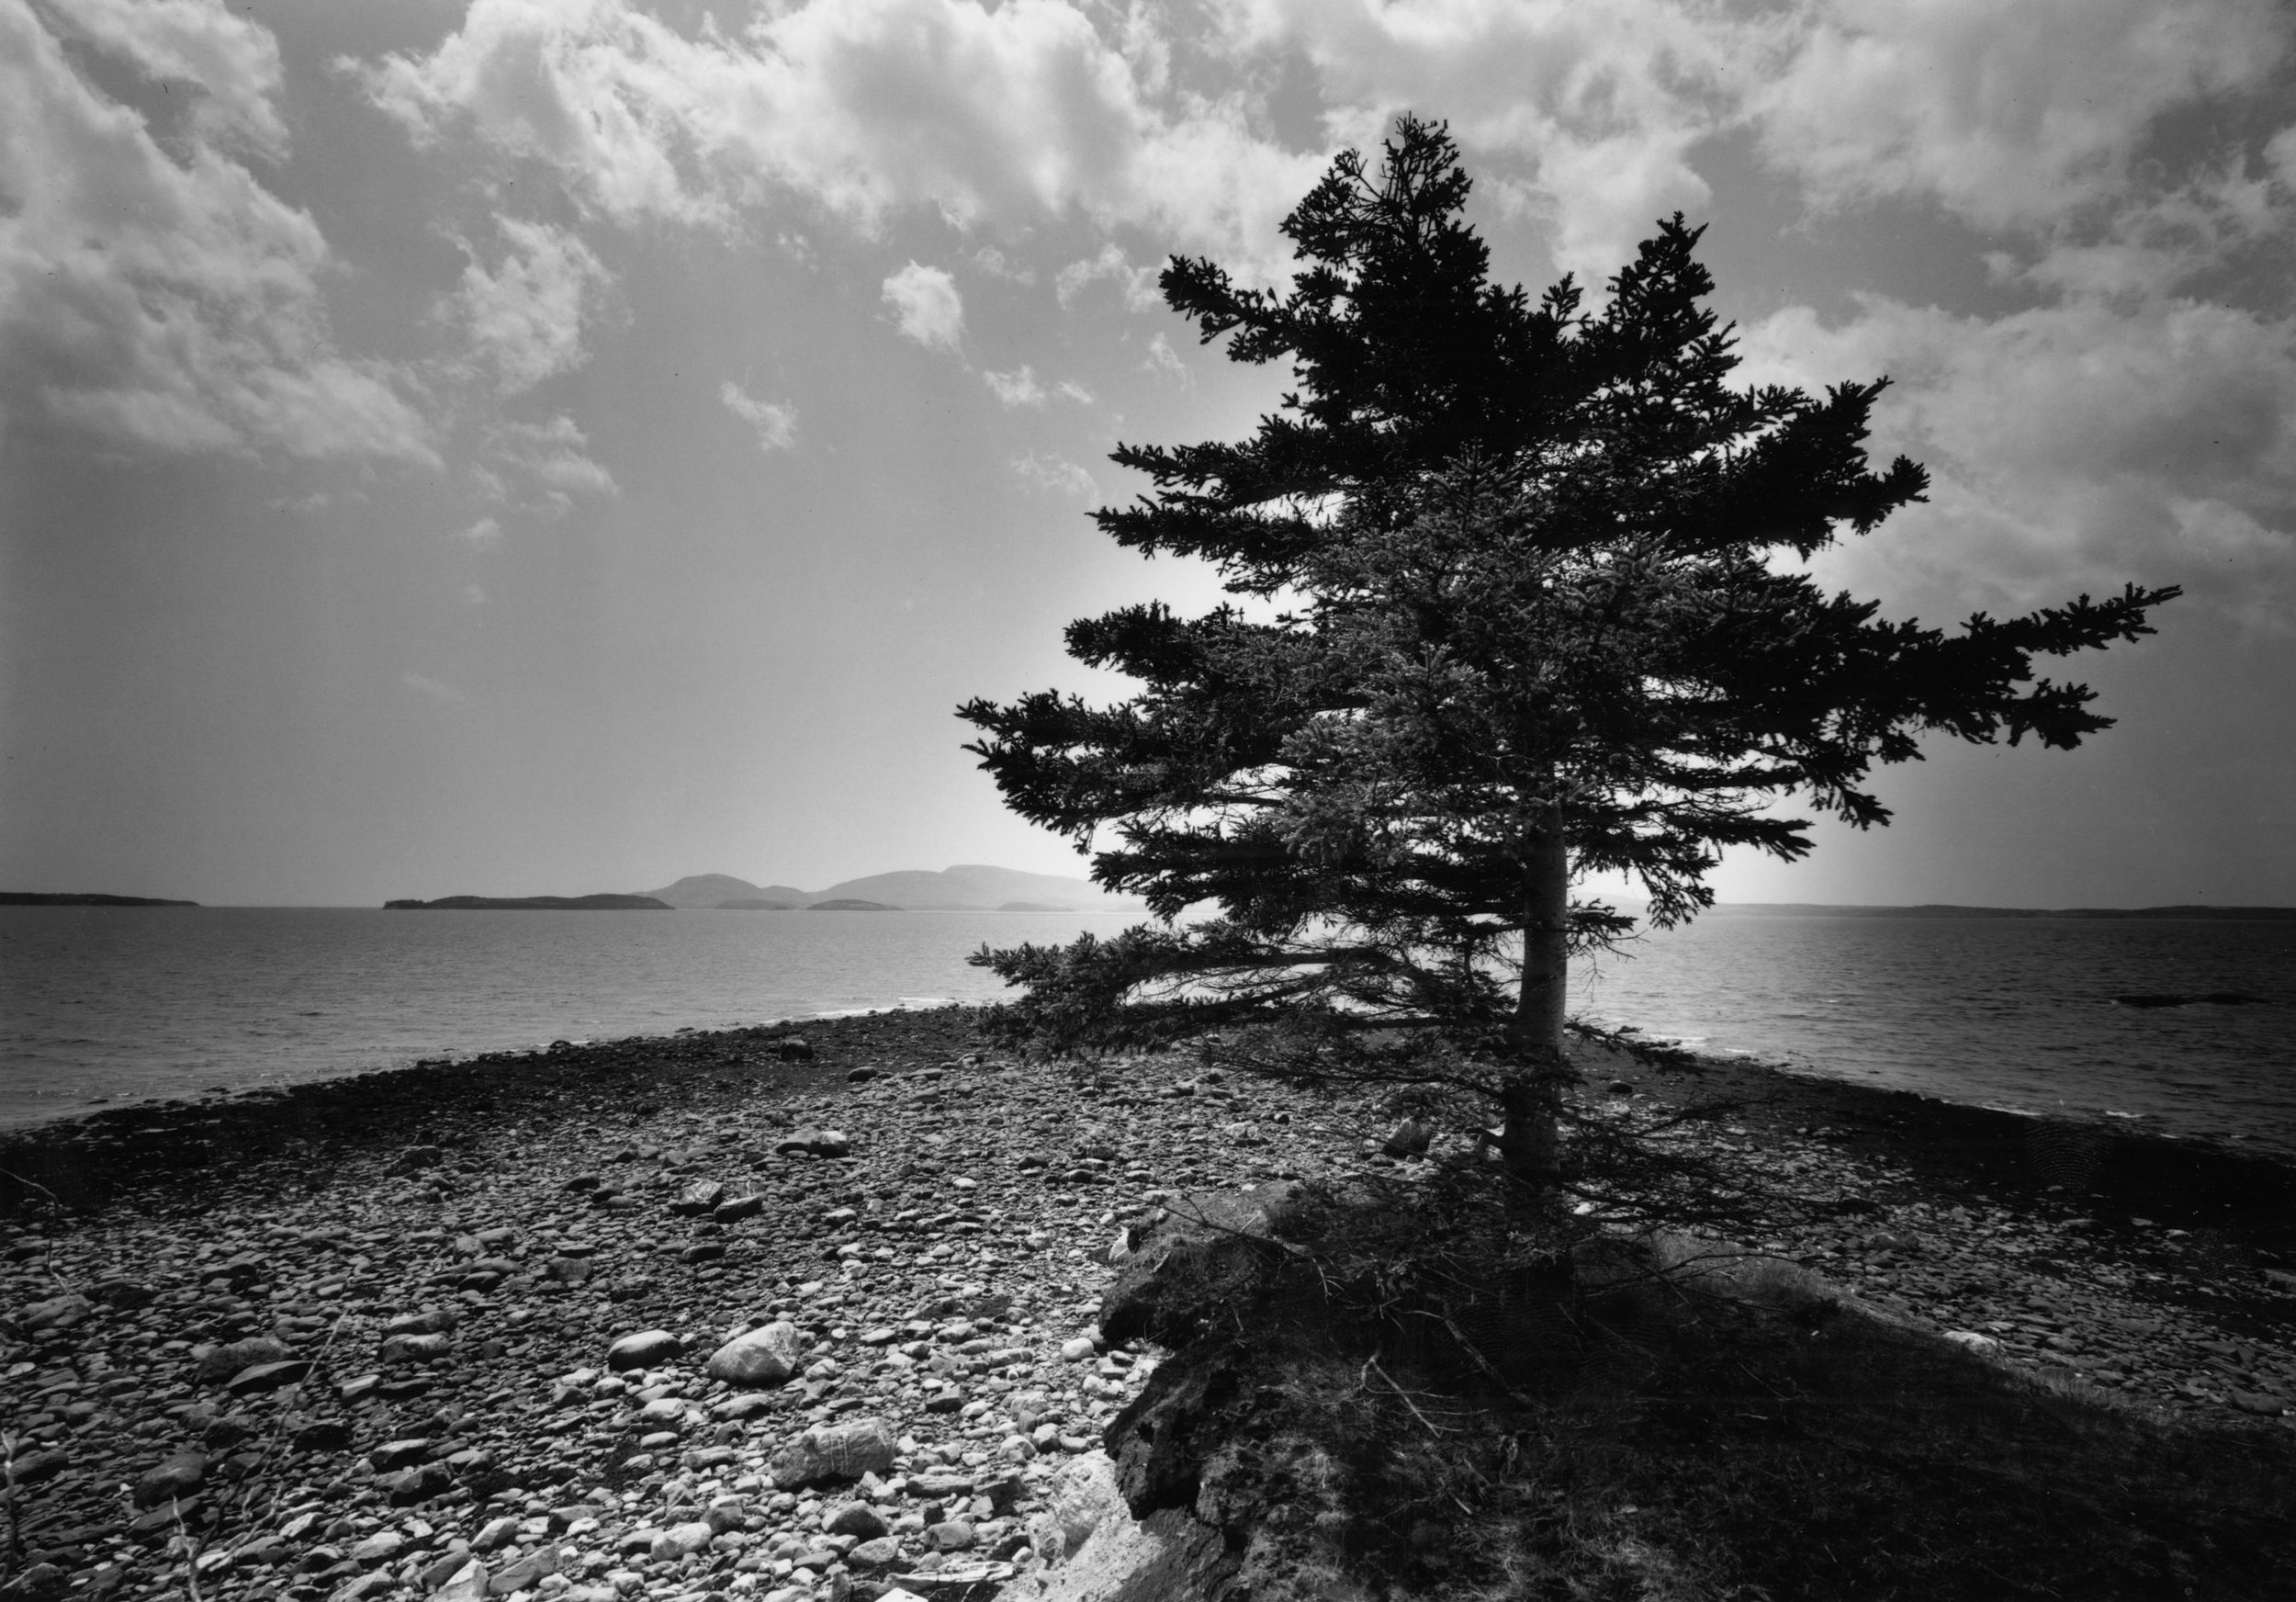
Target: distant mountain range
<point x="968" y="887"/>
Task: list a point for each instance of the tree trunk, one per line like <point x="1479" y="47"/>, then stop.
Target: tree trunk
<point x="1531" y="1097"/>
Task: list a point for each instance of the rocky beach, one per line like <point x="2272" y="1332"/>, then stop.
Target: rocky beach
<point x="815" y="1310"/>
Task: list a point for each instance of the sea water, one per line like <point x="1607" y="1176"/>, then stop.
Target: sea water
<point x="106" y="1005"/>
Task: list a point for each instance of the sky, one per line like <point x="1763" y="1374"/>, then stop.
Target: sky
<point x="542" y="446"/>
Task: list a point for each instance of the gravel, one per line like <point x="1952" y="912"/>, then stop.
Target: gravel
<point x="715" y="1315"/>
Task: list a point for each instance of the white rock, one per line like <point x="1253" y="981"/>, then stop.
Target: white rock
<point x="1078" y="1349"/>
<point x="1972" y="1340"/>
<point x="762" y="1357"/>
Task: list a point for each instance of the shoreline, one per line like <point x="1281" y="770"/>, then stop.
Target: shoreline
<point x="314" y="1215"/>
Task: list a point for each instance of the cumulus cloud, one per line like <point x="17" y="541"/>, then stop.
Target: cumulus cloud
<point x="549" y="461"/>
<point x="2007" y="115"/>
<point x="996" y="117"/>
<point x="156" y="295"/>
<point x="486" y="531"/>
<point x="2080" y="444"/>
<point x="1165" y="363"/>
<point x="776" y="425"/>
<point x="1606" y="103"/>
<point x="523" y="318"/>
<point x="1056" y="475"/>
<point x="1018" y="388"/>
<point x="1138" y="284"/>
<point x="926" y="303"/>
<point x="228" y="65"/>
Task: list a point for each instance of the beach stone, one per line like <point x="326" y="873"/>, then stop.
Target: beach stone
<point x="857" y="1519"/>
<point x="399" y="1454"/>
<point x="819" y="1142"/>
<point x="1409" y="1139"/>
<point x="700" y="1197"/>
<point x="1972" y="1340"/>
<point x="1084" y="1496"/>
<point x="735" y="1209"/>
<point x="950" y="1535"/>
<point x="172" y="1479"/>
<point x="262" y="1377"/>
<point x="414" y="1349"/>
<point x="681" y="1540"/>
<point x="221" y="1362"/>
<point x="882" y="1552"/>
<point x="418" y="1485"/>
<point x="495" y="1534"/>
<point x="125" y="1294"/>
<point x="322" y="1435"/>
<point x="36" y="1467"/>
<point x="429" y="1321"/>
<point x="379" y="1547"/>
<point x="826" y="1454"/>
<point x="64" y="1312"/>
<point x="467" y="1583"/>
<point x="525" y="1573"/>
<point x="228" y="1431"/>
<point x="795" y="1049"/>
<point x="38" y="1581"/>
<point x="415" y="1159"/>
<point x="762" y="1357"/>
<point x="646" y="1348"/>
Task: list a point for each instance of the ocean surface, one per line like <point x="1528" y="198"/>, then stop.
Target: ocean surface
<point x="109" y="1004"/>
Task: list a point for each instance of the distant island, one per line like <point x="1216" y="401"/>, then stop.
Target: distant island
<point x="58" y="898"/>
<point x="604" y="903"/>
<point x="851" y="904"/>
<point x="967" y="887"/>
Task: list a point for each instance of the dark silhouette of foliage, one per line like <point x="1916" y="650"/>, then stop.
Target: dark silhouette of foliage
<point x="1514" y="608"/>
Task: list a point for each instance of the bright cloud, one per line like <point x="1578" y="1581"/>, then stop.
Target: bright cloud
<point x="926" y="303"/>
<point x="2075" y="446"/>
<point x="1138" y="284"/>
<point x="158" y="296"/>
<point x="1604" y="103"/>
<point x="484" y="533"/>
<point x="996" y="117"/>
<point x="524" y="318"/>
<point x="776" y="425"/>
<point x="550" y="460"/>
<point x="1018" y="388"/>
<point x="229" y="65"/>
<point x="2006" y="114"/>
<point x="1164" y="362"/>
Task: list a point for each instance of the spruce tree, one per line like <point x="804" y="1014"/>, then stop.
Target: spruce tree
<point x="1516" y="607"/>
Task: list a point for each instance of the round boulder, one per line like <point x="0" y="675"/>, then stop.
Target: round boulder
<point x="647" y="1349"/>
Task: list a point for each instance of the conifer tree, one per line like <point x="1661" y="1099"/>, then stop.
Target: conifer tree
<point x="1514" y="608"/>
